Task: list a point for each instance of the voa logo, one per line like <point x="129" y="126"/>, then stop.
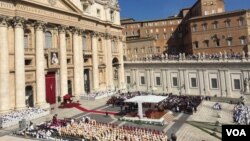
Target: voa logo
<point x="236" y="132"/>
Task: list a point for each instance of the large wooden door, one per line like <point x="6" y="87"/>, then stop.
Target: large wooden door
<point x="51" y="88"/>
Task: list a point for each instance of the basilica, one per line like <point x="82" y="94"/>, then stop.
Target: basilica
<point x="51" y="48"/>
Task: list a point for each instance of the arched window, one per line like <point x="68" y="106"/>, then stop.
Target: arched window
<point x="27" y="38"/>
<point x="99" y="45"/>
<point x="84" y="41"/>
<point x="113" y="46"/>
<point x="48" y="40"/>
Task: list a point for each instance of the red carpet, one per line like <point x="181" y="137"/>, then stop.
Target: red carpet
<point x="94" y="111"/>
<point x="77" y="106"/>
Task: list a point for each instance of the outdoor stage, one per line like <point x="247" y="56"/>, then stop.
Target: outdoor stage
<point x="151" y="115"/>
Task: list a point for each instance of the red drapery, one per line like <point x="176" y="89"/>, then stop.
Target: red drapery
<point x="51" y="88"/>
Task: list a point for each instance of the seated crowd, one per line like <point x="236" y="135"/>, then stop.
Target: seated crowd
<point x="90" y="130"/>
<point x="16" y="116"/>
<point x="101" y="93"/>
<point x="241" y="114"/>
<point x="182" y="103"/>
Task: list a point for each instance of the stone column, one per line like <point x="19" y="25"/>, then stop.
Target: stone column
<point x="121" y="69"/>
<point x="109" y="57"/>
<point x="222" y="82"/>
<point x="81" y="68"/>
<point x="186" y="82"/>
<point x="40" y="74"/>
<point x="4" y="69"/>
<point x="169" y="84"/>
<point x="95" y="60"/>
<point x="137" y="80"/>
<point x="63" y="62"/>
<point x="228" y="84"/>
<point x="77" y="67"/>
<point x="163" y="80"/>
<point x="201" y="82"/>
<point x="206" y="83"/>
<point x="19" y="64"/>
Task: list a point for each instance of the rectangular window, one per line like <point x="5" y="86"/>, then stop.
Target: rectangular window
<point x="175" y="82"/>
<point x="128" y="80"/>
<point x="204" y="27"/>
<point x="142" y="80"/>
<point x="196" y="44"/>
<point x="98" y="12"/>
<point x="229" y="42"/>
<point x="194" y="28"/>
<point x="217" y="43"/>
<point x="227" y="24"/>
<point x="193" y="82"/>
<point x="215" y="25"/>
<point x="206" y="43"/>
<point x="242" y="41"/>
<point x="241" y="22"/>
<point x="214" y="83"/>
<point x="26" y="42"/>
<point x="158" y="81"/>
<point x="236" y="84"/>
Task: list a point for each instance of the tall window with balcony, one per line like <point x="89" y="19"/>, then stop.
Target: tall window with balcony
<point x="48" y="39"/>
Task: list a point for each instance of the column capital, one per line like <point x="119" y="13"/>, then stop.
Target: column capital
<point x="94" y="34"/>
<point x="107" y="36"/>
<point x="75" y="30"/>
<point x="18" y="22"/>
<point x="62" y="28"/>
<point x="39" y="25"/>
<point x="4" y="21"/>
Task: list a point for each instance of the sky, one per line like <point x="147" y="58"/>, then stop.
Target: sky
<point x="157" y="9"/>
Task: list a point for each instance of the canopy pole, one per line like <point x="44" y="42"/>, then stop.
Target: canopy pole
<point x="140" y="110"/>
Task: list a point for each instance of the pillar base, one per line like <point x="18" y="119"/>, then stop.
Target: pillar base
<point x="20" y="108"/>
<point x="43" y="106"/>
<point x="2" y="112"/>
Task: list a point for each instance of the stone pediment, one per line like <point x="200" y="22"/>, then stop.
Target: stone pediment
<point x="64" y="5"/>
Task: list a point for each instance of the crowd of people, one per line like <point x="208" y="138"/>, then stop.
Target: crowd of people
<point x="199" y="56"/>
<point x="182" y="103"/>
<point x="90" y="130"/>
<point x="241" y="114"/>
<point x="14" y="117"/>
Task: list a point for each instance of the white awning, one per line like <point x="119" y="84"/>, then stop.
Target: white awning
<point x="146" y="99"/>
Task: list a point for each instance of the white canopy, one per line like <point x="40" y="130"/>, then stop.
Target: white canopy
<point x="146" y="99"/>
